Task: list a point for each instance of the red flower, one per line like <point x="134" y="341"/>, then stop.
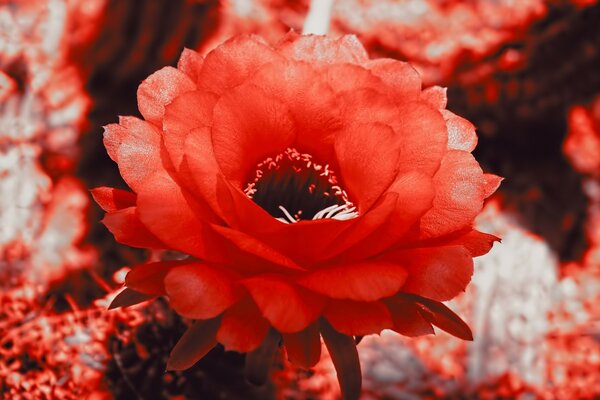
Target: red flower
<point x="315" y="191"/>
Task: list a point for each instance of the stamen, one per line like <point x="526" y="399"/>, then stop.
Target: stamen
<point x="321" y="213"/>
<point x="287" y="214"/>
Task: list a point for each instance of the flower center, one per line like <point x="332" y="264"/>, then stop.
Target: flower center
<point x="292" y="187"/>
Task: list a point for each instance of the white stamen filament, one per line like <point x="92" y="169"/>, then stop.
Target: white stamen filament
<point x="287" y="214"/>
<point x="341" y="213"/>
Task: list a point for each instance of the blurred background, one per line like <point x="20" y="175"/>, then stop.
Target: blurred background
<point x="526" y="72"/>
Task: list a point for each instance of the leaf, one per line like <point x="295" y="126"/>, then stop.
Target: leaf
<point x="195" y="343"/>
<point x="259" y="361"/>
<point x="129" y="297"/>
<point x="304" y="347"/>
<point x="441" y="316"/>
<point x="342" y="350"/>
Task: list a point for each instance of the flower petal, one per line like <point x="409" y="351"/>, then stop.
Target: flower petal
<point x="233" y="62"/>
<point x="249" y="126"/>
<point x="436" y="96"/>
<point x="190" y="62"/>
<point x="172" y="215"/>
<point x="253" y="246"/>
<point x="303" y="348"/>
<point x="401" y="80"/>
<point x="186" y="113"/>
<point x="461" y="133"/>
<point x="365" y="281"/>
<point x="149" y="278"/>
<point x="424" y="137"/>
<point x="126" y="227"/>
<point x="323" y="49"/>
<point x="358" y="318"/>
<point x="111" y="199"/>
<point x="200" y="172"/>
<point x="311" y="102"/>
<point x="195" y="343"/>
<point x="362" y="227"/>
<point x="366" y="106"/>
<point x="128" y="297"/>
<point x="459" y="195"/>
<point x="477" y="243"/>
<point x="242" y="327"/>
<point x="306" y="242"/>
<point x="414" y="193"/>
<point x="289" y="308"/>
<point x="491" y="184"/>
<point x="407" y="317"/>
<point x="135" y="146"/>
<point x="159" y="89"/>
<point x="337" y="78"/>
<point x="342" y="350"/>
<point x="365" y="176"/>
<point x="438" y="273"/>
<point x="198" y="291"/>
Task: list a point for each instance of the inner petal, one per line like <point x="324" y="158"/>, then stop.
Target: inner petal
<point x="292" y="187"/>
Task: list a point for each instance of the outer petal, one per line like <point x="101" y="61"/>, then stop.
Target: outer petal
<point x="323" y="49"/>
<point x="407" y="317"/>
<point x="358" y="318"/>
<point x="111" y="199"/>
<point x="198" y="291"/>
<point x="477" y="243"/>
<point x="240" y="142"/>
<point x="436" y="96"/>
<point x="174" y="217"/>
<point x="348" y="77"/>
<point x="438" y="273"/>
<point x="367" y="176"/>
<point x="195" y="343"/>
<point x="461" y="133"/>
<point x="207" y="181"/>
<point x="459" y="195"/>
<point x="159" y="89"/>
<point x="127" y="229"/>
<point x="233" y="62"/>
<point x="402" y="81"/>
<point x="288" y="308"/>
<point x="186" y="113"/>
<point x="424" y="137"/>
<point x="366" y="281"/>
<point x="190" y="63"/>
<point x="149" y="278"/>
<point x="135" y="146"/>
<point x="242" y="327"/>
<point x="304" y="348"/>
<point x="492" y="183"/>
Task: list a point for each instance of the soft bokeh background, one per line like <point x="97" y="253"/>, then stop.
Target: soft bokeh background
<point x="526" y="72"/>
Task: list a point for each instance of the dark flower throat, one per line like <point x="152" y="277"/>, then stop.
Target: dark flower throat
<point x="303" y="189"/>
